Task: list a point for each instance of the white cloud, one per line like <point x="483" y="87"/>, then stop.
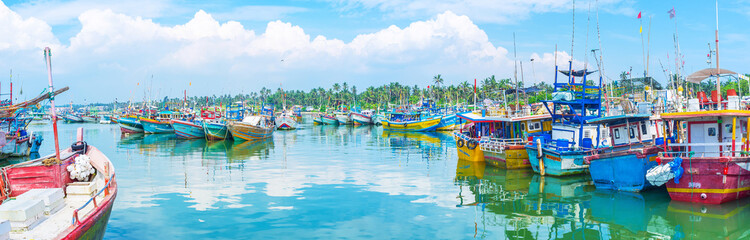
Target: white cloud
<point x="18" y="33"/>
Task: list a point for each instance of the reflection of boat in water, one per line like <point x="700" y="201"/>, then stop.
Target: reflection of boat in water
<point x="250" y="150"/>
<point x="430" y="137"/>
<point x="188" y="146"/>
<point x="130" y="139"/>
<point x="469" y="171"/>
<point x="630" y="213"/>
<point x="707" y="221"/>
<point x="216" y="148"/>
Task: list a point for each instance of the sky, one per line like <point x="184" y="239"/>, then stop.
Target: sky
<point x="128" y="50"/>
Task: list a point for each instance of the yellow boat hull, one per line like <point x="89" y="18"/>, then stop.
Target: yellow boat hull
<point x="468" y="154"/>
<point x="412" y="126"/>
<point x="513" y="157"/>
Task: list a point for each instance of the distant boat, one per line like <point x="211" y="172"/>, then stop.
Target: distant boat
<point x="343" y="118"/>
<point x="328" y="119"/>
<point x="362" y="118"/>
<point x="130" y="124"/>
<point x="317" y="119"/>
<point x="71" y="118"/>
<point x="251" y="128"/>
<point x="105" y="120"/>
<point x="214" y="125"/>
<point x="410" y="122"/>
<point x="90" y="118"/>
<point x="159" y="124"/>
<point x="286" y="121"/>
<point x="378" y="119"/>
<point x="188" y="129"/>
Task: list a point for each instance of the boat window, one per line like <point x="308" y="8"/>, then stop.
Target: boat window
<point x="711" y="132"/>
<point x="632" y="132"/>
<point x="536" y="126"/>
<point x="586" y="134"/>
<point x="644" y="130"/>
<point x="617" y="133"/>
<point x="728" y="128"/>
<point x="523" y="126"/>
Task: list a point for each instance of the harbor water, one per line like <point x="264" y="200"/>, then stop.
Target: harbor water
<point x="344" y="182"/>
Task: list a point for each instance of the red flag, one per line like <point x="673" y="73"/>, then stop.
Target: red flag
<point x="475" y="85"/>
<point x="671" y="13"/>
<point x="639" y="15"/>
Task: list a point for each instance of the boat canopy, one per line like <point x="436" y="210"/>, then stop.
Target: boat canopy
<point x="701" y="75"/>
<point x="578" y="73"/>
<point x="705" y="114"/>
<point x="620" y="118"/>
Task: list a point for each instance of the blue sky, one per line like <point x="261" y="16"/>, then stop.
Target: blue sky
<point x="110" y="49"/>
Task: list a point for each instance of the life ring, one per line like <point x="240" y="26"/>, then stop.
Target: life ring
<point x="460" y="143"/>
<point x="471" y="144"/>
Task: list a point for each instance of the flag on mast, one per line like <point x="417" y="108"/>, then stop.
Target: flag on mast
<point x="671" y="13"/>
<point x="639" y="15"/>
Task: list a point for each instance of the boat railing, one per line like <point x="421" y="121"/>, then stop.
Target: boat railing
<point x="75" y="220"/>
<point x="497" y="145"/>
<point x="727" y="150"/>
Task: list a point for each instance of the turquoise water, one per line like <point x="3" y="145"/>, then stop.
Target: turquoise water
<point x="328" y="182"/>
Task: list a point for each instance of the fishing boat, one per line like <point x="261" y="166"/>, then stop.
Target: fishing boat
<point x="286" y="121"/>
<point x="251" y="128"/>
<point x="498" y="137"/>
<point x="328" y="119"/>
<point x="71" y="117"/>
<point x="129" y="123"/>
<point x="158" y="124"/>
<point x="105" y="119"/>
<point x="378" y="119"/>
<point x="362" y="118"/>
<point x="623" y="166"/>
<point x="711" y="165"/>
<point x="90" y="118"/>
<point x="449" y="122"/>
<point x="573" y="103"/>
<point x="317" y="120"/>
<point x="67" y="195"/>
<point x="297" y="113"/>
<point x="410" y="122"/>
<point x="188" y="129"/>
<point x="343" y="118"/>
<point x="214" y="125"/>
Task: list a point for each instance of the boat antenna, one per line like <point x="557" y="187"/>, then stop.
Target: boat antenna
<point x="600" y="61"/>
<point x="718" y="70"/>
<point x="48" y="59"/>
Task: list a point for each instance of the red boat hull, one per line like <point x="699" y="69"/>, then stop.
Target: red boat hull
<point x="95" y="225"/>
<point x="712" y="180"/>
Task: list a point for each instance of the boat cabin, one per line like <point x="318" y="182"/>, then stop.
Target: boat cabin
<point x="624" y="130"/>
<point x="721" y="133"/>
<point x="235" y="111"/>
<point x="404" y="116"/>
<point x="502" y="127"/>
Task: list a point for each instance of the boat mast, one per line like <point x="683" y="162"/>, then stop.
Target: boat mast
<point x="48" y="59"/>
<point x="718" y="70"/>
<point x="515" y="72"/>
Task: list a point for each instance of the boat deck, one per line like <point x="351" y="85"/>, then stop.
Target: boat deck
<point x="50" y="226"/>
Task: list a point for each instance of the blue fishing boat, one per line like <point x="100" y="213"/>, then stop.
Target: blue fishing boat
<point x="160" y="123"/>
<point x="574" y="103"/>
<point x="188" y="129"/>
<point x="130" y="124"/>
<point x="623" y="166"/>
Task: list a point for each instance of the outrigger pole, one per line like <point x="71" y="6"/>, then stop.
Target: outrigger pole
<point x="48" y="59"/>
